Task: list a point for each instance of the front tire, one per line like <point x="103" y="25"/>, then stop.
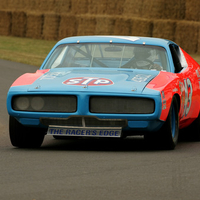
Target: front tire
<point x="167" y="136"/>
<point x="25" y="137"/>
<point x="169" y="132"/>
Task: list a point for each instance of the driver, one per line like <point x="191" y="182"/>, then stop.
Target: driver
<point x="142" y="59"/>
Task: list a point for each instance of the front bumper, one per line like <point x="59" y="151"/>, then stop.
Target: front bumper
<point x="129" y="122"/>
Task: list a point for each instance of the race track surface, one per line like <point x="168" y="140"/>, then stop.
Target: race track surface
<point x="92" y="169"/>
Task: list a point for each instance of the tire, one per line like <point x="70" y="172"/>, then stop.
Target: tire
<point x="167" y="136"/>
<point x="192" y="132"/>
<point x="25" y="137"/>
<point x="169" y="132"/>
<point x="194" y="129"/>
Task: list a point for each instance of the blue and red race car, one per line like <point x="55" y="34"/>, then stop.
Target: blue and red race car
<point x="107" y="86"/>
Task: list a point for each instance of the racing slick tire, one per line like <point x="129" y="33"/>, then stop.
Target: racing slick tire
<point x="169" y="132"/>
<point x="25" y="137"/>
<point x="192" y="132"/>
<point x="194" y="129"/>
<point x="167" y="136"/>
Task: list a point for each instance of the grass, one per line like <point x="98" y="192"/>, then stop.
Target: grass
<point x="31" y="51"/>
<point x="24" y="50"/>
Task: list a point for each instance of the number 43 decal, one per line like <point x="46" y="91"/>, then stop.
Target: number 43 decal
<point x="188" y="96"/>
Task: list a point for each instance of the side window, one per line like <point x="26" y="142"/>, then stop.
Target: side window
<point x="175" y="56"/>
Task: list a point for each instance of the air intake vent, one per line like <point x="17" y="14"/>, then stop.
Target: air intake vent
<point x="121" y="105"/>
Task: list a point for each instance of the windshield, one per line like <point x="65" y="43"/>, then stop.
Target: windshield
<point x="109" y="56"/>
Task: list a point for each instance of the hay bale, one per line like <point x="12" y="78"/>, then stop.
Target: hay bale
<point x="18" y="27"/>
<point x="3" y="4"/>
<point x="164" y="29"/>
<point x="132" y="8"/>
<point x="122" y="26"/>
<point x="174" y="9"/>
<point x="44" y="6"/>
<point x="16" y="5"/>
<point x="79" y="6"/>
<point x="105" y="25"/>
<point x="86" y="25"/>
<point x="34" y="25"/>
<point x="5" y="23"/>
<point x="155" y="9"/>
<point x="192" y="10"/>
<point x="8" y="5"/>
<point x="145" y="9"/>
<point x="109" y="7"/>
<point x="114" y="7"/>
<point x="141" y="27"/>
<point x="186" y="35"/>
<point x="63" y="6"/>
<point x="68" y="26"/>
<point x="51" y="26"/>
<point x="97" y="7"/>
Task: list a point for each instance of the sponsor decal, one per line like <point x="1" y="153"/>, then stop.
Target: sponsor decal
<point x="163" y="94"/>
<point x="141" y="77"/>
<point x="164" y="102"/>
<point x="86" y="131"/>
<point x="53" y="75"/>
<point x="89" y="81"/>
<point x="198" y="76"/>
<point x="175" y="90"/>
<point x="186" y="93"/>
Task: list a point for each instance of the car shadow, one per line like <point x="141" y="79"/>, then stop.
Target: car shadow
<point x="136" y="143"/>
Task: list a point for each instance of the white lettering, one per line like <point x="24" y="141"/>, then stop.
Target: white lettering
<point x="101" y="82"/>
<point x="73" y="81"/>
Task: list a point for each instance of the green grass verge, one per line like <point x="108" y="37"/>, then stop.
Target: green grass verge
<point x="31" y="51"/>
<point x="24" y="50"/>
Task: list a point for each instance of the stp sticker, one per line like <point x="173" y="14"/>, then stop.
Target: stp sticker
<point x="89" y="81"/>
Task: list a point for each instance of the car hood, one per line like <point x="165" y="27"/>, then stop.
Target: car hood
<point x="93" y="80"/>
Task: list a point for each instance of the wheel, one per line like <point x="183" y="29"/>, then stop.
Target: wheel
<point x="192" y="132"/>
<point x="170" y="130"/>
<point x="167" y="136"/>
<point x="25" y="137"/>
<point x="194" y="129"/>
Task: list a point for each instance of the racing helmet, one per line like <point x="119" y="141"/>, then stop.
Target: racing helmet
<point x="141" y="53"/>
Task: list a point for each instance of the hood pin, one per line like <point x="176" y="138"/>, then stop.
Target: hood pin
<point x="37" y="87"/>
<point x="134" y="89"/>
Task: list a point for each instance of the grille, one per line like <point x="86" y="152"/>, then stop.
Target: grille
<point x="84" y="121"/>
<point x="45" y="103"/>
<point x="121" y="105"/>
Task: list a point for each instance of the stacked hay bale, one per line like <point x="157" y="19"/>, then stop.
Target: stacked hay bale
<point x="174" y="20"/>
<point x="34" y="25"/>
<point x="51" y="26"/>
<point x="141" y="27"/>
<point x="187" y="35"/>
<point x="5" y="23"/>
<point x="168" y="28"/>
<point x="192" y="11"/>
<point x="106" y="7"/>
<point x="18" y="27"/>
<point x="105" y="25"/>
<point x="86" y="25"/>
<point x="68" y="26"/>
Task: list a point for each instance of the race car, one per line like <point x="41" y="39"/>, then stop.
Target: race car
<point x="107" y="87"/>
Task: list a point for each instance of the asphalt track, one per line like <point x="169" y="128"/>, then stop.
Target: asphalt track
<point x="92" y="169"/>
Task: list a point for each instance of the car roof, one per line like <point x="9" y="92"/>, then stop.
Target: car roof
<point x="115" y="39"/>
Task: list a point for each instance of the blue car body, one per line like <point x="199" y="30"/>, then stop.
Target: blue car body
<point x="86" y="84"/>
